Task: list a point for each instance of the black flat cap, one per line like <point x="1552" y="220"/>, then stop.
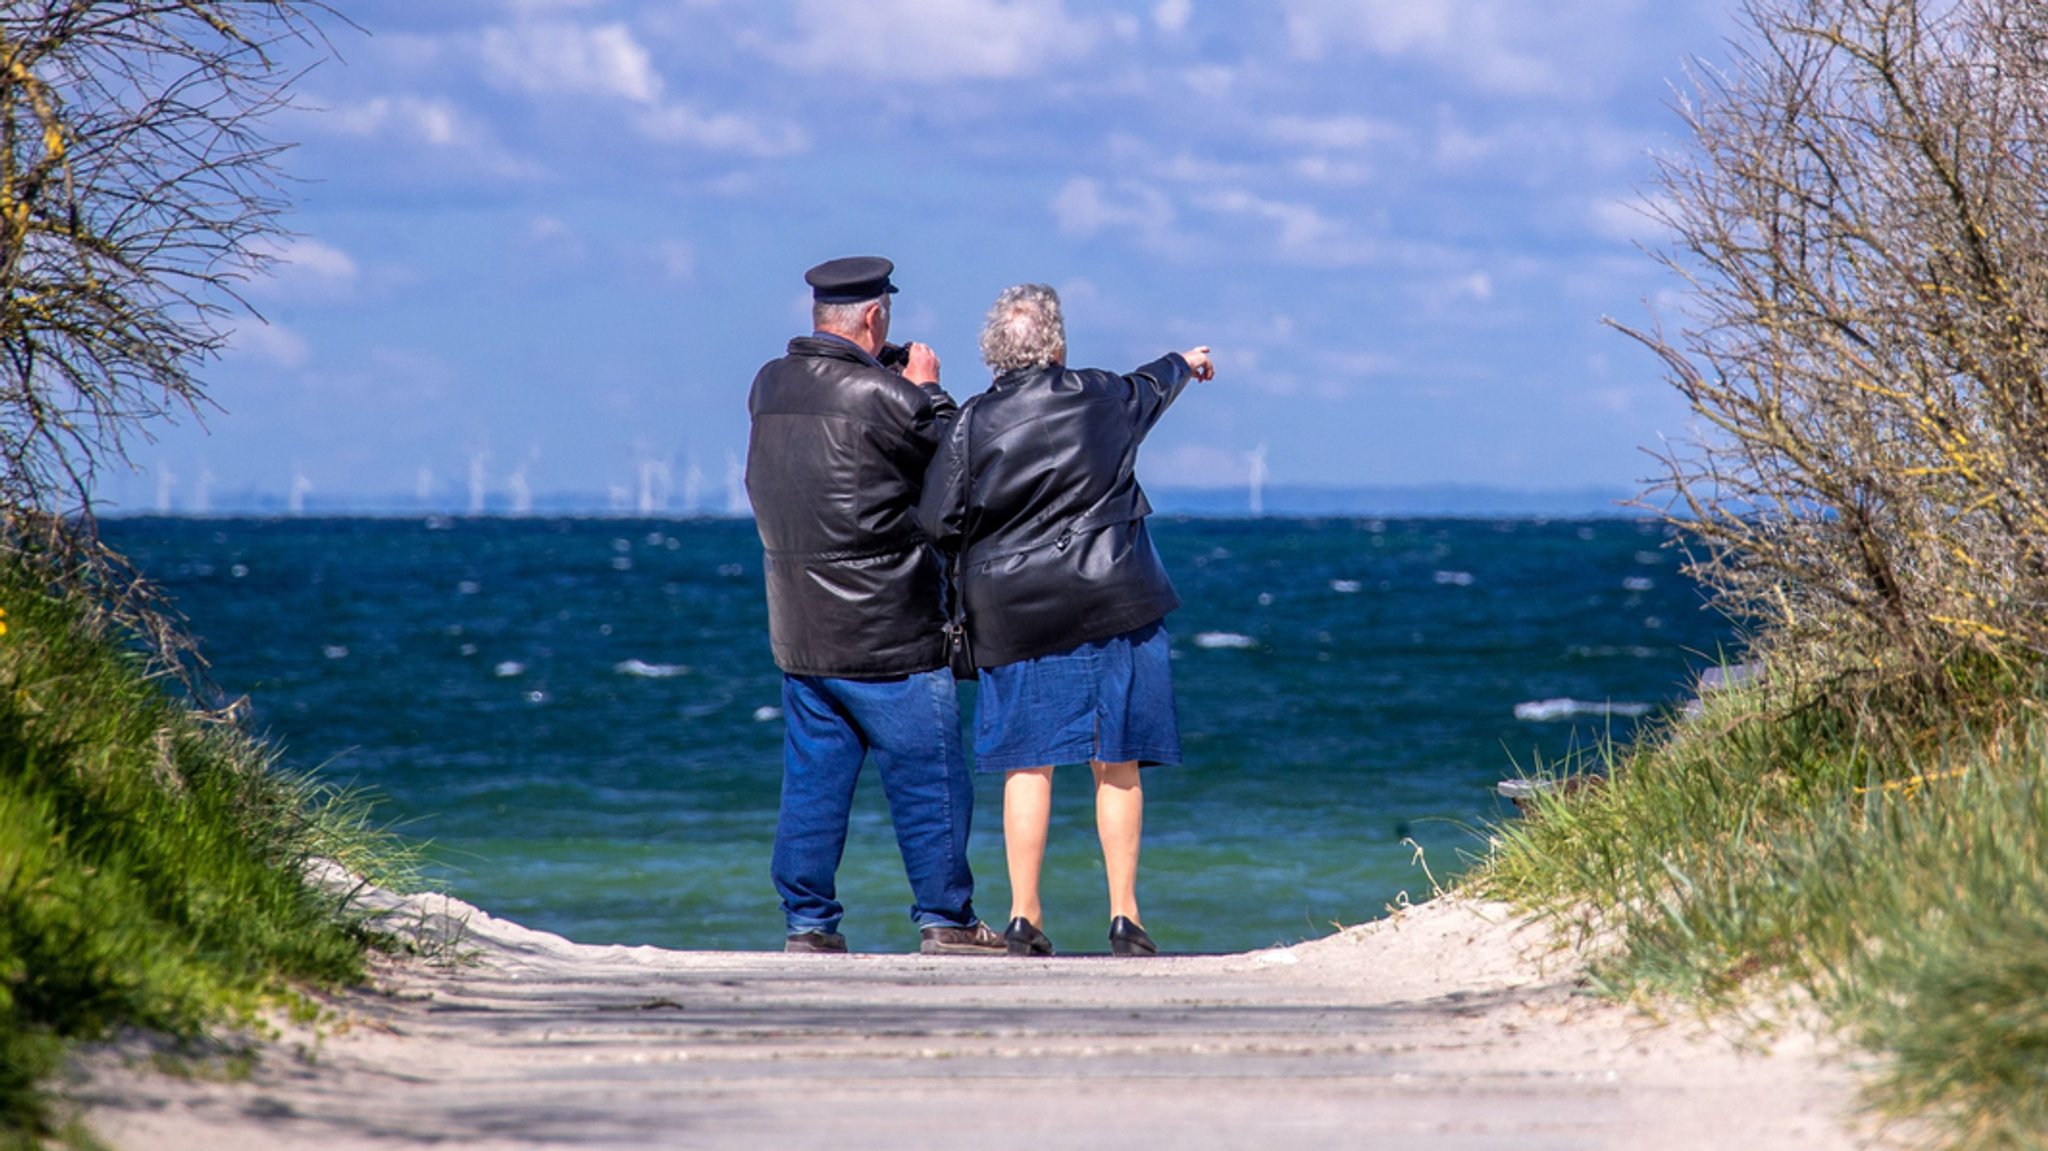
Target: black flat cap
<point x="850" y="279"/>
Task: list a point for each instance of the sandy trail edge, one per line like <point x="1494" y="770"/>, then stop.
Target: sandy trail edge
<point x="1451" y="1025"/>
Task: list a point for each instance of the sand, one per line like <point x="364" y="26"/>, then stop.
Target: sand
<point x="1454" y="1024"/>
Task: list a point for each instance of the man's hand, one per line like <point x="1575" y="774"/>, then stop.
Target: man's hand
<point x="1199" y="362"/>
<point x="923" y="367"/>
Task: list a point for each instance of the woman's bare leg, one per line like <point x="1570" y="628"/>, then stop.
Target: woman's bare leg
<point x="1120" y="821"/>
<point x="1027" y="809"/>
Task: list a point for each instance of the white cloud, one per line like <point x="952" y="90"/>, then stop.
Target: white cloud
<point x="722" y="132"/>
<point x="678" y="260"/>
<point x="435" y="122"/>
<point x="1459" y="148"/>
<point x="1305" y="235"/>
<point x="553" y="58"/>
<point x="1506" y="47"/>
<point x="272" y="344"/>
<point x="1213" y="81"/>
<point x="1476" y="286"/>
<point x="1084" y="208"/>
<point x="557" y="238"/>
<point x="1172" y="15"/>
<point x="1631" y="218"/>
<point x="1196" y="466"/>
<point x="930" y="41"/>
<point x="1323" y="170"/>
<point x="1332" y="133"/>
<point x="1362" y="364"/>
<point x="302" y="268"/>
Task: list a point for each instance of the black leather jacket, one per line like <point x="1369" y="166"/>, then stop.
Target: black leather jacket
<point x="835" y="465"/>
<point x="1034" y="487"/>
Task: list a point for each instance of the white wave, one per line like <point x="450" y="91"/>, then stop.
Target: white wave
<point x="622" y="563"/>
<point x="468" y="587"/>
<point x="765" y="714"/>
<point x="1638" y="583"/>
<point x="1345" y="586"/>
<point x="1608" y="651"/>
<point x="239" y="571"/>
<point x="1455" y="579"/>
<point x="1549" y="710"/>
<point x="508" y="669"/>
<point x="1224" y="639"/>
<point x="645" y="670"/>
<point x="334" y="651"/>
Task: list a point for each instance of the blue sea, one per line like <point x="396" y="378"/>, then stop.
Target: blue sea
<point x="577" y="718"/>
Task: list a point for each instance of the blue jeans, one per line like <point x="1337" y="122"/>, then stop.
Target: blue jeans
<point x="911" y="726"/>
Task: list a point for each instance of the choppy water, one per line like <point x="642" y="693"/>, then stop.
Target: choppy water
<point x="579" y="714"/>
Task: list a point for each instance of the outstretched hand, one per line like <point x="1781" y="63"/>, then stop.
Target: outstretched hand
<point x="1199" y="362"/>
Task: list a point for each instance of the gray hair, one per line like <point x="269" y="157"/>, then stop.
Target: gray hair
<point x="844" y="317"/>
<point x="1024" y="329"/>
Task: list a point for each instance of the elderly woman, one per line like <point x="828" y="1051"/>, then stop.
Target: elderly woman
<point x="1063" y="594"/>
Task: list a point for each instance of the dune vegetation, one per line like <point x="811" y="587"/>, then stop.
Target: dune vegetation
<point x="1864" y="822"/>
<point x="151" y="857"/>
<point x="151" y="854"/>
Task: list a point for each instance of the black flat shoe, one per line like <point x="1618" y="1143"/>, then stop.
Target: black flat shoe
<point x="1024" y="938"/>
<point x="1127" y="938"/>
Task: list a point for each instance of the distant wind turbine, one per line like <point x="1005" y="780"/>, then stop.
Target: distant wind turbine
<point x="736" y="503"/>
<point x="656" y="478"/>
<point x="477" y="481"/>
<point x="1256" y="459"/>
<point x="521" y="493"/>
<point x="693" y="487"/>
<point x="166" y="481"/>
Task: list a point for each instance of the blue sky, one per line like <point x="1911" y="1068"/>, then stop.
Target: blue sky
<point x="543" y="245"/>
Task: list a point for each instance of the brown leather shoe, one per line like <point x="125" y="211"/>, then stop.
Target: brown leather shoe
<point x="815" y="943"/>
<point x="980" y="939"/>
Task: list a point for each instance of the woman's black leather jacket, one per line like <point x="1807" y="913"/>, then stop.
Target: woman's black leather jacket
<point x="1034" y="488"/>
<point x="835" y="465"/>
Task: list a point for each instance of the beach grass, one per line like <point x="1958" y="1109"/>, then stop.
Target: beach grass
<point x="152" y="858"/>
<point x="1885" y="859"/>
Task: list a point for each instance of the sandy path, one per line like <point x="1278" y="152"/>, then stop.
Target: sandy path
<point x="1439" y="1029"/>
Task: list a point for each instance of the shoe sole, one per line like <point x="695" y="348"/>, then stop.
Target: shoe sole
<point x="956" y="949"/>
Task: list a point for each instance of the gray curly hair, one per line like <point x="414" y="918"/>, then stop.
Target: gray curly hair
<point x="1024" y="329"/>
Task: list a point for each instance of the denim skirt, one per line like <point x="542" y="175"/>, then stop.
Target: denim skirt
<point x="1108" y="700"/>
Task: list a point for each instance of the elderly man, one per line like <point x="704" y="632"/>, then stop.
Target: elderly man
<point x="835" y="467"/>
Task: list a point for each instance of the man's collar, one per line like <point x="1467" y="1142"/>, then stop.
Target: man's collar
<point x="837" y="339"/>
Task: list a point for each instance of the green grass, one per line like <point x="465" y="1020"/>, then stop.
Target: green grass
<point x="149" y="859"/>
<point x="1887" y="857"/>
